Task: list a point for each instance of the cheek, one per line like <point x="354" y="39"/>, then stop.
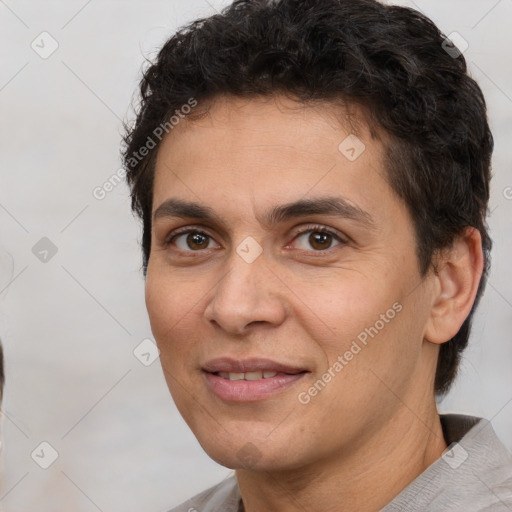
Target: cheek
<point x="159" y="304"/>
<point x="343" y="306"/>
<point x="170" y="305"/>
<point x="373" y="333"/>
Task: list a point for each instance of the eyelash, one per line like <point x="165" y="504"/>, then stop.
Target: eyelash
<point x="310" y="229"/>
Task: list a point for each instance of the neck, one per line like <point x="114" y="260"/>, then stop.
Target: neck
<point x="362" y="480"/>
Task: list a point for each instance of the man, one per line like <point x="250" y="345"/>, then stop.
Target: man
<point x="2" y="377"/>
<point x="313" y="180"/>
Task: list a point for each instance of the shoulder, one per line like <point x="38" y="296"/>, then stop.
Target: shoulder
<point x="223" y="497"/>
<point x="474" y="473"/>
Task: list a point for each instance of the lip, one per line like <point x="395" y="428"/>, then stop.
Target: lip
<point x="228" y="364"/>
<point x="250" y="390"/>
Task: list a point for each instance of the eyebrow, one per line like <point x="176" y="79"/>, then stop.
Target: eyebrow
<point x="336" y="206"/>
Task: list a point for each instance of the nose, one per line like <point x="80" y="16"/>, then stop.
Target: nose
<point x="248" y="294"/>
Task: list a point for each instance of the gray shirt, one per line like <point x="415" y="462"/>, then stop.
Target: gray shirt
<point x="473" y="475"/>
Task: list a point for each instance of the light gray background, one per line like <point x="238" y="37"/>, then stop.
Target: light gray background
<point x="70" y="325"/>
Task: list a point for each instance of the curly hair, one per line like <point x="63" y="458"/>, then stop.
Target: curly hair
<point x="391" y="60"/>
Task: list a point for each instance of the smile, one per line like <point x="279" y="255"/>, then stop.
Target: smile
<point x="249" y="380"/>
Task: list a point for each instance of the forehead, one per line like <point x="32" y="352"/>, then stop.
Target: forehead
<point x="264" y="117"/>
<point x="269" y="150"/>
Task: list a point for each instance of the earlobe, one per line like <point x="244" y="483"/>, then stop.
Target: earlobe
<point x="458" y="272"/>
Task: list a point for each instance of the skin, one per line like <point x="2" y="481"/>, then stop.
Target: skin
<point x="374" y="427"/>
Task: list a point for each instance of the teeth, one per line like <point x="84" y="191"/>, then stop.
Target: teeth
<point x="247" y="375"/>
<point x="253" y="375"/>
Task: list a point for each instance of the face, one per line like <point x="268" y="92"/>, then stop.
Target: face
<point x="283" y="286"/>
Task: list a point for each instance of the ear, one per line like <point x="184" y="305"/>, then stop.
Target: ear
<point x="457" y="276"/>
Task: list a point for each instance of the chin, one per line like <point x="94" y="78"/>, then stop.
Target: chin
<point x="248" y="457"/>
<point x="241" y="449"/>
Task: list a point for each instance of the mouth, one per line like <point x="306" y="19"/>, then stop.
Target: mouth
<point x="250" y="380"/>
<point x="257" y="375"/>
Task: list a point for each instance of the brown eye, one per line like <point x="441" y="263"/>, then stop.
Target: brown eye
<point x="197" y="241"/>
<point x="192" y="240"/>
<point x="319" y="240"/>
